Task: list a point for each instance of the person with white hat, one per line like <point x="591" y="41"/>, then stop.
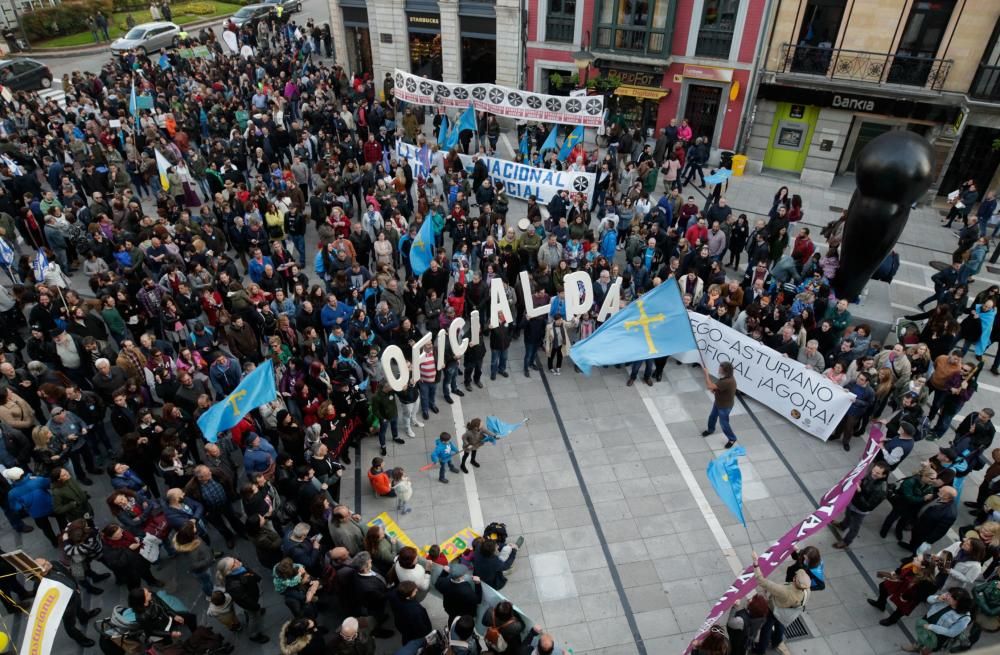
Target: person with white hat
<point x="31" y="495"/>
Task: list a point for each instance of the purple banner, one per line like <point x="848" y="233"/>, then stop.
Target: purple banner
<point x="832" y="504"/>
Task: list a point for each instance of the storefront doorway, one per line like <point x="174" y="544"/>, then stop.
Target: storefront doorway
<point x="425" y="55"/>
<point x="479" y="60"/>
<point x="638" y="112"/>
<point x="702" y="110"/>
<point x="974" y="158"/>
<point x="863" y="130"/>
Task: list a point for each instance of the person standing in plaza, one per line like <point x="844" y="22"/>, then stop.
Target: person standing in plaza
<point x="864" y="398"/>
<point x="787" y="602"/>
<point x="444" y="450"/>
<point x="725" y="398"/>
<point x="872" y="491"/>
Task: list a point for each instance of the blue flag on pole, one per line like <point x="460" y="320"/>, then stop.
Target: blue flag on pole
<point x="385" y="161"/>
<point x="727" y="480"/>
<point x="550" y="140"/>
<point x="39" y="265"/>
<point x="467" y="121"/>
<point x="654" y="325"/>
<point x="575" y="137"/>
<point x="524" y="144"/>
<point x="443" y="133"/>
<point x="500" y="428"/>
<point x="255" y="390"/>
<point x="422" y="250"/>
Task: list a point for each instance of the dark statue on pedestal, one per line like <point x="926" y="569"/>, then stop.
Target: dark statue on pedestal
<point x="892" y="171"/>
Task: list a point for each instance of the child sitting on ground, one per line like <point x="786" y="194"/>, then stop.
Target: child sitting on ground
<point x="379" y="479"/>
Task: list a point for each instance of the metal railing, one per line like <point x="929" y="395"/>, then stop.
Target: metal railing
<point x="865" y="67"/>
<point x="560" y="28"/>
<point x="986" y="85"/>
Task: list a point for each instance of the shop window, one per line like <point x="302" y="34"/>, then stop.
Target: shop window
<point x="560" y="23"/>
<point x="425" y="55"/>
<point x="715" y="36"/>
<point x="636" y="26"/>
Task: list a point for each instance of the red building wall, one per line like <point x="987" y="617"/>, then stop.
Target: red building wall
<point x="668" y="107"/>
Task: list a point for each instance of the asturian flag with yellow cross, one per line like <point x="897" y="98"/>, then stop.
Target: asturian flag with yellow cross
<point x="255" y="390"/>
<point x="653" y="325"/>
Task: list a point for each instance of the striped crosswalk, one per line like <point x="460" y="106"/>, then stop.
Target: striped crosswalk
<point x="53" y="93"/>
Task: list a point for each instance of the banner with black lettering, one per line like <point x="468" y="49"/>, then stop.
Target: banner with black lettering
<point x="801" y="395"/>
<point x="520" y="180"/>
<point x="501" y="100"/>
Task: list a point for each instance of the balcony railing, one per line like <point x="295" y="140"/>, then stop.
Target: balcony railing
<point x="986" y="85"/>
<point x="865" y="67"/>
<point x="560" y="28"/>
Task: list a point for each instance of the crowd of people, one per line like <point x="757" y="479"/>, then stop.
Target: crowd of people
<point x="191" y="285"/>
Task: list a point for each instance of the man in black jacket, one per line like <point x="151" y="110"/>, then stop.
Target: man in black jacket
<point x="244" y="586"/>
<point x="499" y="344"/>
<point x="460" y="598"/>
<point x="870" y="494"/>
<point x="370" y="593"/>
<point x="974" y="435"/>
<point x="74" y="610"/>
<point x="934" y="519"/>
<point x="436" y="278"/>
<point x="410" y="616"/>
<point x="943" y="280"/>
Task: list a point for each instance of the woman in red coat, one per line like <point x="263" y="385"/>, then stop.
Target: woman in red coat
<point x="906" y="587"/>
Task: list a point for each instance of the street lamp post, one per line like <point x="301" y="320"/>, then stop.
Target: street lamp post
<point x="582" y="59"/>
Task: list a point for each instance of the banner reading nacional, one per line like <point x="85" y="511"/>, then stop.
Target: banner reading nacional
<point x="520" y="180"/>
<point x="833" y="503"/>
<point x="501" y="100"/>
<point x="45" y="619"/>
<point x="799" y="394"/>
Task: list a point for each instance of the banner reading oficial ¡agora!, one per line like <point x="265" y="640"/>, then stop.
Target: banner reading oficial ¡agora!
<point x="801" y="395"/>
<point x="833" y="503"/>
<point x="520" y="180"/>
<point x="500" y="100"/>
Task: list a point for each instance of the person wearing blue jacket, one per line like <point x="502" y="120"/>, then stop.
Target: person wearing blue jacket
<point x="444" y="450"/>
<point x="31" y="495"/>
<point x="334" y="313"/>
<point x="609" y="241"/>
<point x="260" y="455"/>
<point x="864" y="398"/>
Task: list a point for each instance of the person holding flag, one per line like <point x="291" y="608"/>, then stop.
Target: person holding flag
<point x="255" y="390"/>
<point x="464" y="127"/>
<point x="573" y="145"/>
<point x="422" y="248"/>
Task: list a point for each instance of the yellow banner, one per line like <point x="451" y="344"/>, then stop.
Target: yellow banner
<point x="457" y="544"/>
<point x="644" y="92"/>
<point x="392" y="529"/>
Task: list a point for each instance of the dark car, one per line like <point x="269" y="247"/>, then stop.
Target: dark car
<point x="24" y="74"/>
<point x="250" y="14"/>
<point x="289" y="6"/>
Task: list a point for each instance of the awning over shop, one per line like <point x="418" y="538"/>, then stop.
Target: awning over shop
<point x="643" y="92"/>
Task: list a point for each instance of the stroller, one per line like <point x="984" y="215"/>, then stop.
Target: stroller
<point x="120" y="634"/>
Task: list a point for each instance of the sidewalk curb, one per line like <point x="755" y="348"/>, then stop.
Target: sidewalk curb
<point x="66" y="53"/>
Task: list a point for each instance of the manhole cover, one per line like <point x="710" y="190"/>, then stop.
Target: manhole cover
<point x="796" y="630"/>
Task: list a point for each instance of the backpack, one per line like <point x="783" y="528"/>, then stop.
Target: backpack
<point x="497" y="532"/>
<point x="494" y="638"/>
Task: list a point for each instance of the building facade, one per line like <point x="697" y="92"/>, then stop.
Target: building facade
<point x="838" y="73"/>
<point x="657" y="59"/>
<point x="447" y="40"/>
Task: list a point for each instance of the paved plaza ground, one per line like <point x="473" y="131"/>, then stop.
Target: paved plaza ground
<point x="627" y="546"/>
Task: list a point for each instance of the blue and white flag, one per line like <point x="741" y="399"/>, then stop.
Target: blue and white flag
<point x="38" y="266"/>
<point x="14" y="167"/>
<point x="255" y="390"/>
<point x="6" y="253"/>
<point x="443" y="133"/>
<point x="499" y="428"/>
<point x="550" y="141"/>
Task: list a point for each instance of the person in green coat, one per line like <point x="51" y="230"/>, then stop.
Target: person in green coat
<point x="987" y="597"/>
<point x="384" y="409"/>
<point x="69" y="500"/>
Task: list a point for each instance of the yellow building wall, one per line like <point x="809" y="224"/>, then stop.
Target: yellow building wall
<point x="871" y="25"/>
<point x="972" y="36"/>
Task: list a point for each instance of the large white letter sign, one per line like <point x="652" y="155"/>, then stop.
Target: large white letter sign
<point x="530" y="311"/>
<point x="415" y="355"/>
<point x="499" y="304"/>
<point x="456" y="328"/>
<point x="612" y="301"/>
<point x="575" y="306"/>
<point x="395" y="354"/>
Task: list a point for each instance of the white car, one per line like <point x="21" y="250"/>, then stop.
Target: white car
<point x="148" y="37"/>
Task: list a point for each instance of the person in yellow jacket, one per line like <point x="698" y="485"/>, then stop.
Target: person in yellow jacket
<point x="274" y="221"/>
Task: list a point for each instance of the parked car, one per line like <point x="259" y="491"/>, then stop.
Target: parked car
<point x="288" y="6"/>
<point x="148" y="37"/>
<point x="24" y="74"/>
<point x="250" y="14"/>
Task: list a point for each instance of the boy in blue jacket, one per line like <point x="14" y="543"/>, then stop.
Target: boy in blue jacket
<point x="444" y="450"/>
